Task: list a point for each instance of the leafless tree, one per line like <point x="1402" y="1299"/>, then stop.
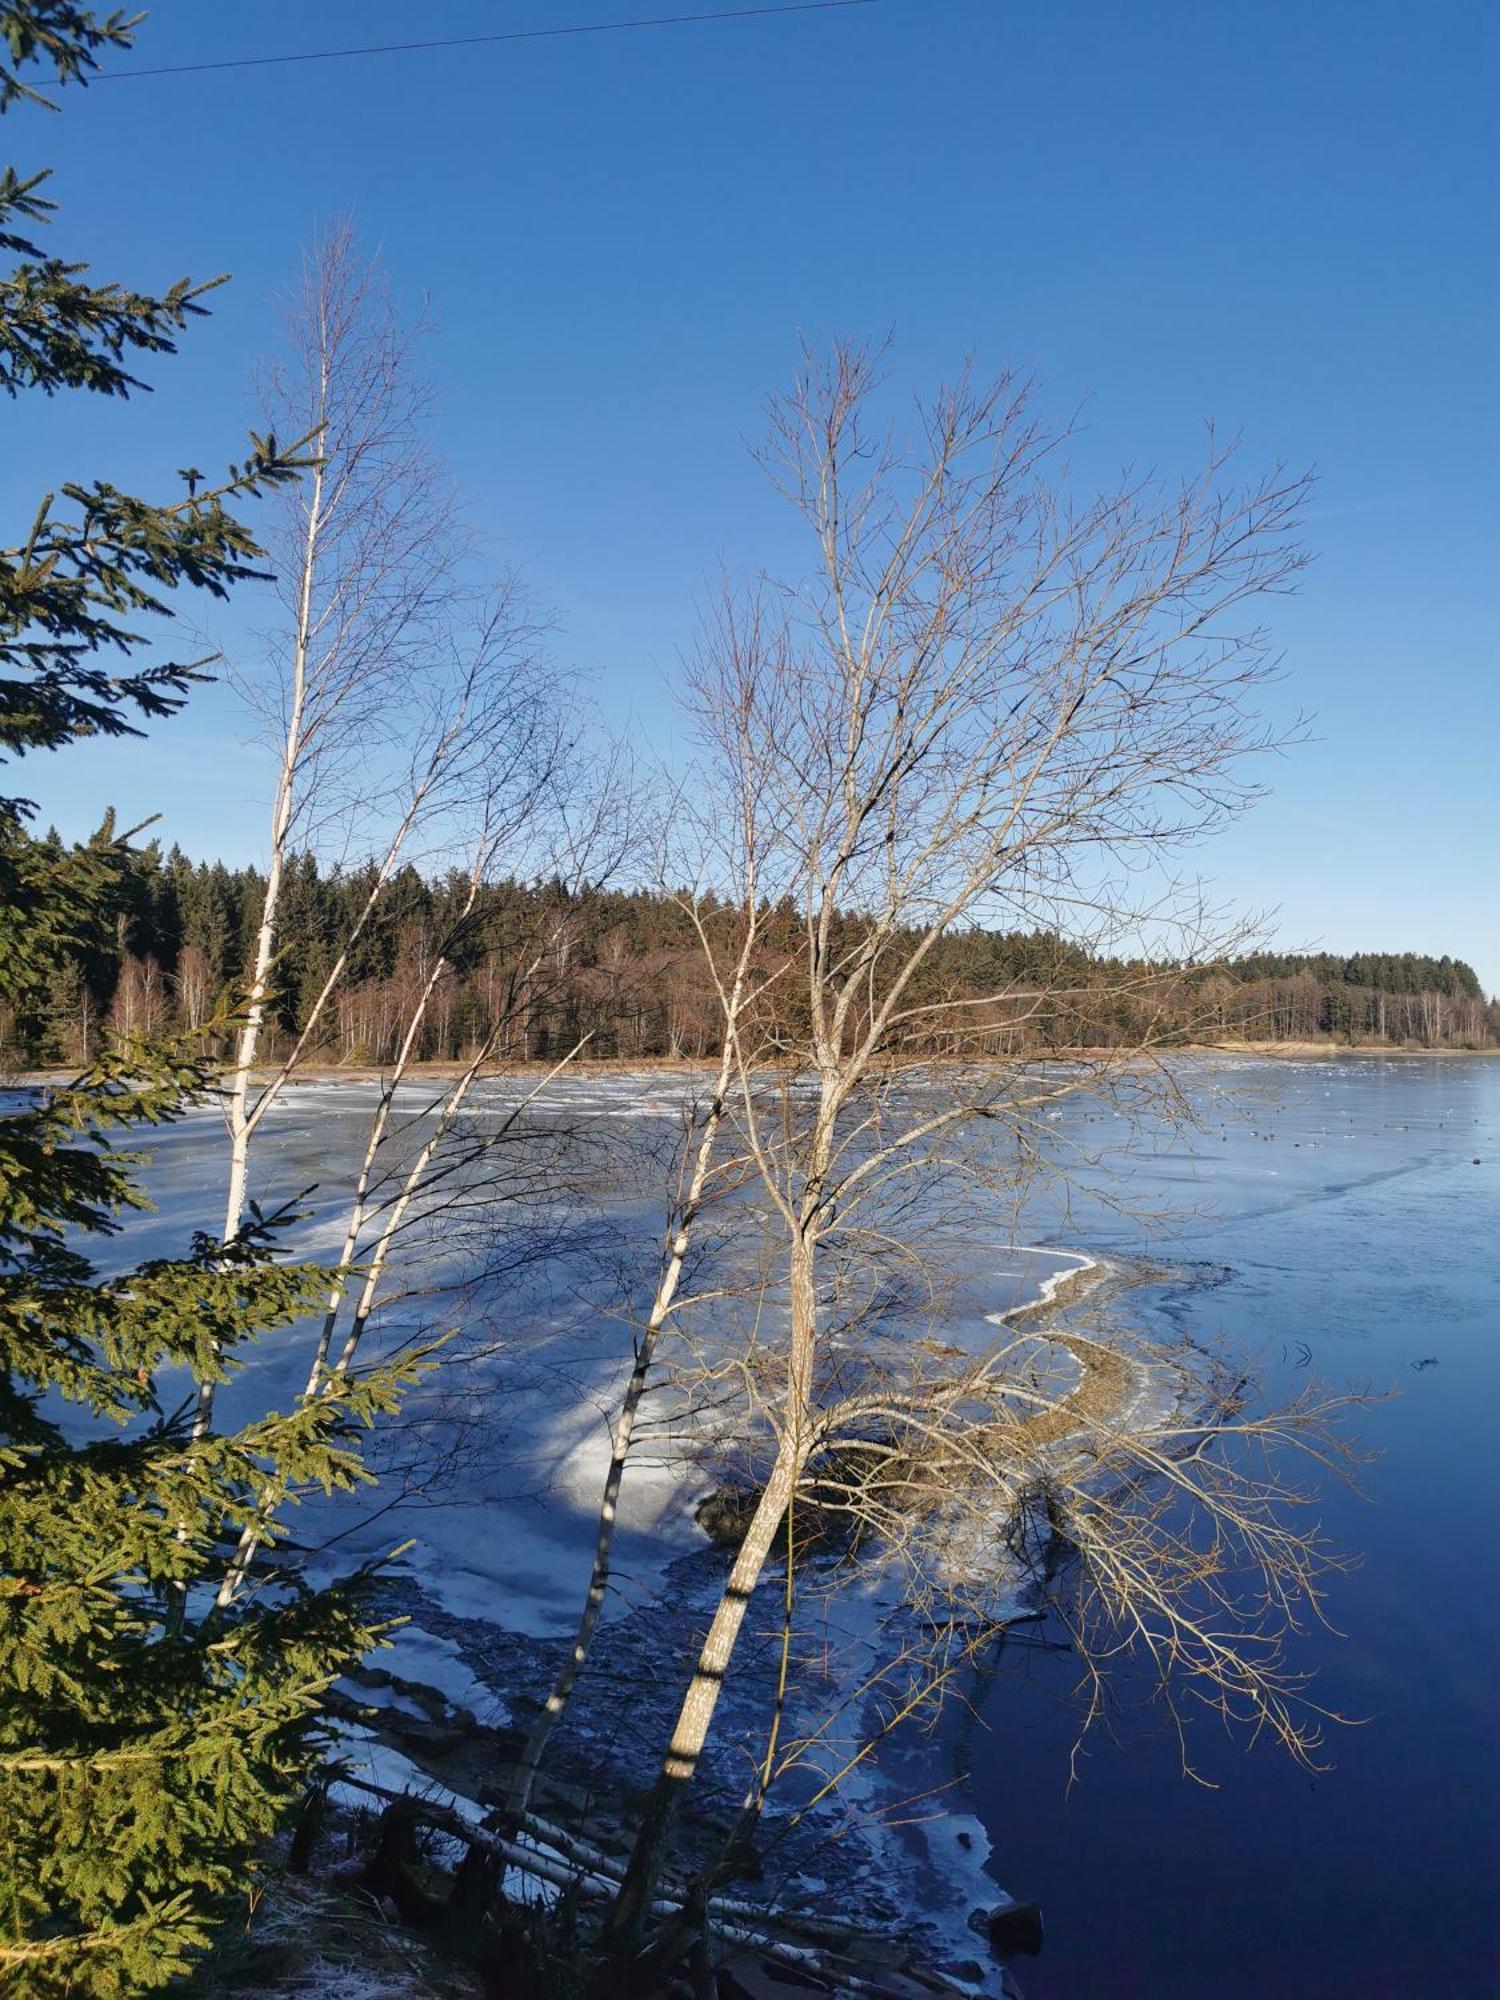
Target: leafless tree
<point x="415" y="719"/>
<point x="367" y="554"/>
<point x="409" y="708"/>
<point x="986" y="703"/>
<point x="138" y="1007"/>
<point x="194" y="982"/>
<point x="703" y="1176"/>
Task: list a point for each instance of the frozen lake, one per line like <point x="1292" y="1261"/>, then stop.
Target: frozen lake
<point x="1350" y="1216"/>
<point x="1326" y="1216"/>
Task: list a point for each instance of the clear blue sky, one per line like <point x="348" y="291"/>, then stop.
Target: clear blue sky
<point x="1281" y="217"/>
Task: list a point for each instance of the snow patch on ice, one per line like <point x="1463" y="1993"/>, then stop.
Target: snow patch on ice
<point x="423" y="1657"/>
<point x="377" y="1763"/>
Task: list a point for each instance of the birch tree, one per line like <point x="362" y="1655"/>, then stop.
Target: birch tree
<point x="985" y="702"/>
<point x="420" y="1165"/>
<point x="705" y="1176"/>
<point x="403" y="698"/>
<point x="415" y="719"/>
<point x="366" y="558"/>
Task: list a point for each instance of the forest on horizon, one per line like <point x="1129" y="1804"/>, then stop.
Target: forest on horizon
<point x="624" y="969"/>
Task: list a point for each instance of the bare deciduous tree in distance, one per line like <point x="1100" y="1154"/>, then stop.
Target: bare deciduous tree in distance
<point x="986" y="704"/>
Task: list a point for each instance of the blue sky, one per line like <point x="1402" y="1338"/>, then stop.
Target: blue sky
<point x="1281" y="218"/>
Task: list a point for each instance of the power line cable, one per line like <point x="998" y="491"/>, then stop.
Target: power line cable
<point x="477" y="41"/>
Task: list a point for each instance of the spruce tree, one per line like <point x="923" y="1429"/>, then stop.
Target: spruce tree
<point x="149" y="1743"/>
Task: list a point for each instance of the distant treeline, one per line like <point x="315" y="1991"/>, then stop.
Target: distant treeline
<point x="624" y="967"/>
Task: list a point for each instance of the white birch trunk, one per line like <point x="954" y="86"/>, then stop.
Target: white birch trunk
<point x="561" y="1690"/>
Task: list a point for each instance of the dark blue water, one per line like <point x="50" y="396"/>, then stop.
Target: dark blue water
<point x="1351" y="1217"/>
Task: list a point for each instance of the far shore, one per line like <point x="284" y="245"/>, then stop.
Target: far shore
<point x="1326" y="1051"/>
<point x="602" y="1066"/>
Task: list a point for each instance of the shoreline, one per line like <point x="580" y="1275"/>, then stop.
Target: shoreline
<point x="895" y="1966"/>
<point x="941" y="1953"/>
<point x="600" y="1067"/>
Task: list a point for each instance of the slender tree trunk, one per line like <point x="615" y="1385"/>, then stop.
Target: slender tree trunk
<point x="359" y="1207"/>
<point x="238" y="1115"/>
<point x="281" y="820"/>
<point x="321" y="1375"/>
<point x="593" y="1606"/>
<point x="695" y="1717"/>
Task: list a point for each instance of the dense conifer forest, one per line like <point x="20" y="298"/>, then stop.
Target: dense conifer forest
<point x="623" y="968"/>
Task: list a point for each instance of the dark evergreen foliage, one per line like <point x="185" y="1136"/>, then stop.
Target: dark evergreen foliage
<point x="631" y="975"/>
<point x="149" y="1741"/>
